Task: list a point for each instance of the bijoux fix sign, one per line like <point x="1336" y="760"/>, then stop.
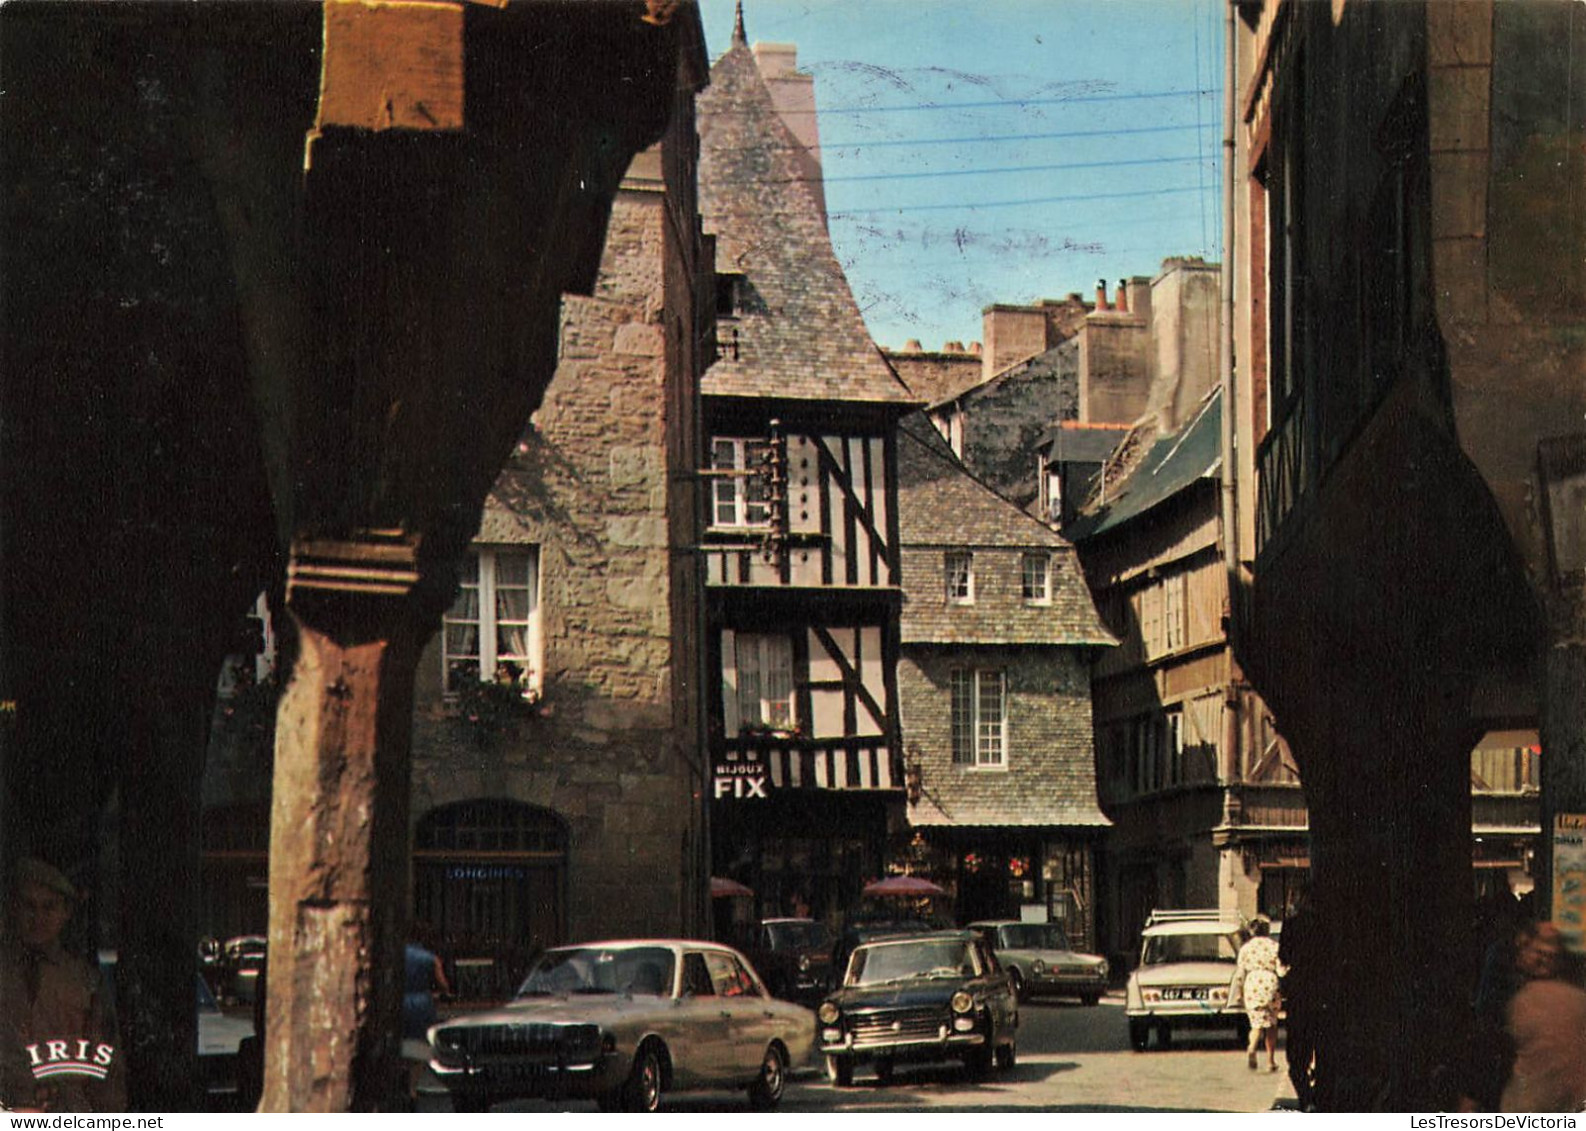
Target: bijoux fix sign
<point x="741" y="781"/>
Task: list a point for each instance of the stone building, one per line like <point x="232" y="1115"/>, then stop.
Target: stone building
<point x="557" y="736"/>
<point x="997" y="631"/>
<point x="1410" y="385"/>
<point x="805" y="772"/>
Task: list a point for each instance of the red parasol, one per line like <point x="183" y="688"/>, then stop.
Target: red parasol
<point x="903" y="885"/>
<point x="723" y="888"/>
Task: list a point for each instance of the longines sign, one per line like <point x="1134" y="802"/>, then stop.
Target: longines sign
<point x="741" y="781"/>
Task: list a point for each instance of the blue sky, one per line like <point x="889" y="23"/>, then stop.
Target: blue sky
<point x="1004" y="150"/>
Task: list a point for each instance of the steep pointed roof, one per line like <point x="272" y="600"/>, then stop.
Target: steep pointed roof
<point x="798" y="333"/>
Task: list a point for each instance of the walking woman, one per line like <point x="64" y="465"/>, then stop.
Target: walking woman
<point x="1255" y="984"/>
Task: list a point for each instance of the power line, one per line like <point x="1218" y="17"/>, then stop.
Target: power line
<point x="830" y="145"/>
<point x="847" y="212"/>
<point x="964" y="172"/>
<point x="986" y="105"/>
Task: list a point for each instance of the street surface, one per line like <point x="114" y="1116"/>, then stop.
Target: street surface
<point x="1070" y="1059"/>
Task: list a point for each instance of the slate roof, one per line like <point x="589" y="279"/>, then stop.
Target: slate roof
<point x="941" y="507"/>
<point x="1171" y="464"/>
<point x="801" y="335"/>
<point x="1073" y="442"/>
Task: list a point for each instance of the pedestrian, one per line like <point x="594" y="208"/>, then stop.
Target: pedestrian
<point x="422" y="976"/>
<point x="59" y="1050"/>
<point x="1547" y="1025"/>
<point x="1255" y="986"/>
<point x="1302" y="1000"/>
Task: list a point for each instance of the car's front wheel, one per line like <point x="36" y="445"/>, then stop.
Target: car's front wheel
<point x="884" y="1068"/>
<point x="642" y="1089"/>
<point x="841" y="1071"/>
<point x="1016" y="980"/>
<point x="766" y="1092"/>
<point x="1088" y="1000"/>
<point x="1139" y="1034"/>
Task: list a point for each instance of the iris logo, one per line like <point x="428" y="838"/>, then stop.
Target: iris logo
<point x="70" y="1058"/>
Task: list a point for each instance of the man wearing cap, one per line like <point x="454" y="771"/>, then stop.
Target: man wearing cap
<point x="58" y="1049"/>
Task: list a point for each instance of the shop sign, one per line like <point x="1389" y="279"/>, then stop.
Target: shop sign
<point x="1569" y="878"/>
<point x="741" y="781"/>
<point x="462" y="872"/>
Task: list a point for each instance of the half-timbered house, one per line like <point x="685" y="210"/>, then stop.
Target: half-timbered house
<point x="1202" y="791"/>
<point x="801" y="539"/>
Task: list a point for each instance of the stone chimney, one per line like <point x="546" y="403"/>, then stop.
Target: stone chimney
<point x="913" y="346"/>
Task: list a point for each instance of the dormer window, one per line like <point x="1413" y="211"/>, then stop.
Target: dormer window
<point x="729" y="293"/>
<point x="960" y="577"/>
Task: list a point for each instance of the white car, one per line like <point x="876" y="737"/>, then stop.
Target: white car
<point x="623" y="1022"/>
<point x="1186" y="964"/>
<point x="1040" y="960"/>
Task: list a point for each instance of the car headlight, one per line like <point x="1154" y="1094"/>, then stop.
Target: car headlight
<point x="962" y="1002"/>
<point x="804" y="963"/>
<point x="1219" y="994"/>
<point x="608" y="1043"/>
<point x="1102" y="969"/>
<point x="829" y="1013"/>
<point x="1151" y="996"/>
<point x="1038" y="967"/>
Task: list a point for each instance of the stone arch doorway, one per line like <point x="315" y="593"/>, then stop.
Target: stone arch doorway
<point x="489" y="881"/>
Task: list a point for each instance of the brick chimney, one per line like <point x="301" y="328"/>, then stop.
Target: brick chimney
<point x="1101" y="295"/>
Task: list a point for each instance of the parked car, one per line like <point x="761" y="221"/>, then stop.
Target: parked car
<point x="1186" y="963"/>
<point x="794" y="956"/>
<point x="1040" y="960"/>
<point x="623" y="1023"/>
<point x="240" y="962"/>
<point x="859" y="931"/>
<point x="931" y="996"/>
<point x="220" y="1038"/>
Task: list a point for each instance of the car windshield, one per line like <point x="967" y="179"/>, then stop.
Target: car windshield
<point x="1032" y="936"/>
<point x="799" y="936"/>
<point x="925" y="958"/>
<point x="601" y="970"/>
<point x="1160" y="949"/>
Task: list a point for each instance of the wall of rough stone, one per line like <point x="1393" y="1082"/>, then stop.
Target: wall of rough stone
<point x="589" y="486"/>
<point x="1050" y="774"/>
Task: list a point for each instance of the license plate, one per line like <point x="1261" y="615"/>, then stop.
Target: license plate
<point x="1200" y="993"/>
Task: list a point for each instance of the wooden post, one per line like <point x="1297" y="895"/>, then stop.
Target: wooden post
<point x="338" y="861"/>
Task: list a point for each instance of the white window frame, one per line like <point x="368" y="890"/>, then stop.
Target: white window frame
<point x="1036" y="594"/>
<point x="1175" y="612"/>
<point x="756" y="663"/>
<point x="958" y="577"/>
<point x="979" y="741"/>
<point x="488" y="622"/>
<point x="738" y="501"/>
